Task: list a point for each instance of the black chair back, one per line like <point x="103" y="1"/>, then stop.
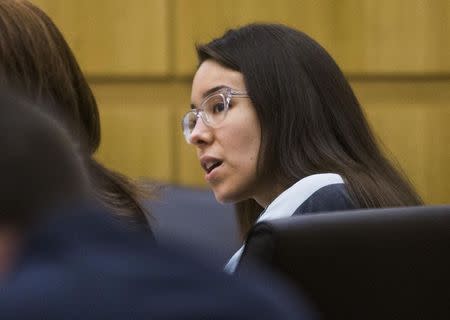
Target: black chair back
<point x="362" y="264"/>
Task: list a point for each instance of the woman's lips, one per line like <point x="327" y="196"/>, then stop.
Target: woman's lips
<point x="213" y="171"/>
<point x="210" y="165"/>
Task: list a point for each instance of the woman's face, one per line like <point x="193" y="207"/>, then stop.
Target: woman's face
<point x="228" y="152"/>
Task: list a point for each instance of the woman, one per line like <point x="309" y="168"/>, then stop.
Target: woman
<point x="282" y="130"/>
<point x="36" y="60"/>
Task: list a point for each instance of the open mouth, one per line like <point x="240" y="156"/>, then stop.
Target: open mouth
<point x="208" y="167"/>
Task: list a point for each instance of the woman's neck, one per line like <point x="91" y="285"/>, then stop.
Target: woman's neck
<point x="266" y="196"/>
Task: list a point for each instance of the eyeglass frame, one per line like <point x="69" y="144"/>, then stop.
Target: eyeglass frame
<point x="227" y="93"/>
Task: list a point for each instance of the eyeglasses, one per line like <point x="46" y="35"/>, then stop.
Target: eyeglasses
<point x="213" y="111"/>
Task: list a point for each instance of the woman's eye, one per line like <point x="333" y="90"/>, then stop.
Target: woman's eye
<point x="218" y="107"/>
<point x="192" y="122"/>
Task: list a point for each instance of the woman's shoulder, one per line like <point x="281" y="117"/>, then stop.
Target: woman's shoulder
<point x="333" y="197"/>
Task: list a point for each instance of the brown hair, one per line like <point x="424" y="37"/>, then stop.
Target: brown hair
<point x="35" y="58"/>
<point x="311" y="121"/>
<point x="41" y="168"/>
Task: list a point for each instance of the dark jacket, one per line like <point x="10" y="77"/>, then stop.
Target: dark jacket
<point x="83" y="264"/>
<point x="333" y="197"/>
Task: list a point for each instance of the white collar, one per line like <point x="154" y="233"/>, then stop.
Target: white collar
<point x="287" y="202"/>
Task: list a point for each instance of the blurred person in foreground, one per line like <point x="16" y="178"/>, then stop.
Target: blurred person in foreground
<point x="36" y="59"/>
<point x="66" y="257"/>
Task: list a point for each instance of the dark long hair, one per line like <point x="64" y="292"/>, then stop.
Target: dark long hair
<point x="311" y="121"/>
<point x="39" y="160"/>
<point x="35" y="58"/>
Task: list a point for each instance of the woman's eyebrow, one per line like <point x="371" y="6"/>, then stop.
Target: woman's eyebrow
<point x="208" y="92"/>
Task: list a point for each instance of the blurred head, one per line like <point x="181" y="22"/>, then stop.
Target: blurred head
<point x="41" y="169"/>
<point x="35" y="58"/>
<point x="40" y="166"/>
<point x="308" y="118"/>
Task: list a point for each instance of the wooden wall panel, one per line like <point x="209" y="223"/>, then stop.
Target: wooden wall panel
<point x="199" y="21"/>
<point x="113" y="37"/>
<point x="437" y="151"/>
<point x="400" y="36"/>
<point x="139" y="130"/>
<point x="132" y="146"/>
<point x="412" y="121"/>
<point x="364" y="36"/>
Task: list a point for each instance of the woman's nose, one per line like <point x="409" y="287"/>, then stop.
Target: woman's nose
<point x="201" y="134"/>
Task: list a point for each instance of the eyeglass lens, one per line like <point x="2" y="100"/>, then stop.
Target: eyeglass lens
<point x="212" y="112"/>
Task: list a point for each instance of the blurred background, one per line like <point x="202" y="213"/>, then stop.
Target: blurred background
<point x="139" y="58"/>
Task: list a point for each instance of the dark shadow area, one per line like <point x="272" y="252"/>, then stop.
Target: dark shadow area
<point x="195" y="220"/>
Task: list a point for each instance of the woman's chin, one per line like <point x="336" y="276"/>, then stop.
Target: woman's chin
<point x="222" y="197"/>
<point x="226" y="198"/>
